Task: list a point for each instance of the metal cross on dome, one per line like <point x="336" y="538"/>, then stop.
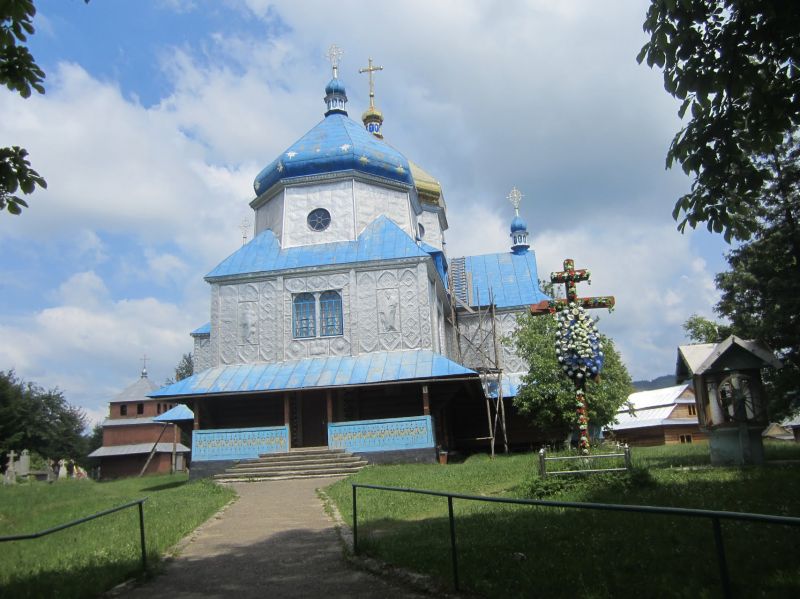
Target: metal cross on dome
<point x="371" y="69"/>
<point x="515" y="197"/>
<point x="335" y="54"/>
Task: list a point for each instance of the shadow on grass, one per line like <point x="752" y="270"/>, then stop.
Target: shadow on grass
<point x="165" y="486"/>
<point x="294" y="563"/>
<point x="510" y="551"/>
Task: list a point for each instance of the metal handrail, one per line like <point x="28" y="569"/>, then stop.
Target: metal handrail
<point x="714" y="515"/>
<point x="47" y="531"/>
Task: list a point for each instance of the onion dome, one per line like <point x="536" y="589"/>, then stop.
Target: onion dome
<point x="335" y="97"/>
<point x="337" y="144"/>
<point x="373" y="119"/>
<point x="519" y="228"/>
<point x="518" y="225"/>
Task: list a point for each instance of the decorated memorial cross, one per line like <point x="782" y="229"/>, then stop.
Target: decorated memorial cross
<point x="578" y="347"/>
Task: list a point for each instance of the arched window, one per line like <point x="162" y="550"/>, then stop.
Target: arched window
<point x="330" y="313"/>
<point x="303" y="316"/>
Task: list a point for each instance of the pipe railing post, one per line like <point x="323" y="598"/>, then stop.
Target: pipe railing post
<point x="628" y="461"/>
<point x="355" y="522"/>
<point x="542" y="463"/>
<point x="141" y="535"/>
<point x="453" y="541"/>
<point x="722" y="562"/>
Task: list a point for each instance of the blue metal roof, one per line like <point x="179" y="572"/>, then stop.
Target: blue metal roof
<point x="203" y="330"/>
<point x="176" y="414"/>
<point x="335" y="144"/>
<point x="381" y="240"/>
<point x="511" y="384"/>
<point x="334" y="371"/>
<point x="513" y="278"/>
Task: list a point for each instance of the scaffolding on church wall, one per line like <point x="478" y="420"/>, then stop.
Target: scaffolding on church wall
<point x="483" y="341"/>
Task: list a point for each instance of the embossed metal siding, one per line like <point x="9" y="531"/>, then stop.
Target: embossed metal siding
<point x="513" y="278"/>
<point x="381" y="240"/>
<point x="334" y="371"/>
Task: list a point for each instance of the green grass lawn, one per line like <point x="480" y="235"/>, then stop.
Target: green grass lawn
<point x="515" y="551"/>
<point x="90" y="558"/>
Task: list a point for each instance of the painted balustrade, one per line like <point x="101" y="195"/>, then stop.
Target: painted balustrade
<point x="238" y="444"/>
<point x="386" y="434"/>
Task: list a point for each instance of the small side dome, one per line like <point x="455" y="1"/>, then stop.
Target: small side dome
<point x="335" y="86"/>
<point x="518" y="225"/>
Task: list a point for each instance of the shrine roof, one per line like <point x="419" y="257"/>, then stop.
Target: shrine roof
<point x="136" y="448"/>
<point x="324" y="372"/>
<point x="512" y="278"/>
<point x="336" y="144"/>
<point x="380" y="240"/>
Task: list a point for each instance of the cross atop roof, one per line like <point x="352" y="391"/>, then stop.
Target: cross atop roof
<point x="335" y="54"/>
<point x="515" y="197"/>
<point x="371" y="69"/>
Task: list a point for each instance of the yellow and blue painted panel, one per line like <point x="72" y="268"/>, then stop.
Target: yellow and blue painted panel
<point x="386" y="434"/>
<point x="238" y="443"/>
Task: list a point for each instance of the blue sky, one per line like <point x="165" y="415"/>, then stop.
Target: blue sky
<point x="159" y="114"/>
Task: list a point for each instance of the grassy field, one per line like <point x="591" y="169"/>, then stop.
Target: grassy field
<point x="509" y="551"/>
<point x="88" y="559"/>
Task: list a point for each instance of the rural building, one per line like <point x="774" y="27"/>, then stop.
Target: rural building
<point x="130" y="433"/>
<point x="343" y="324"/>
<point x="658" y="417"/>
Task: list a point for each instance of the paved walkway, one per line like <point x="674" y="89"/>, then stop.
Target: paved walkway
<point x="274" y="541"/>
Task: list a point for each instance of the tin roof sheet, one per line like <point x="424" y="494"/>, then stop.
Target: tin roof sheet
<point x="380" y="240"/>
<point x="332" y="371"/>
<point x="668" y="396"/>
<point x="136" y="448"/>
<point x="137" y="391"/>
<point x="176" y="414"/>
<point x="513" y="279"/>
<point x="127" y="421"/>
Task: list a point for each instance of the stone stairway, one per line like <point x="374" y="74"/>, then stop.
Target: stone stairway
<point x="304" y="462"/>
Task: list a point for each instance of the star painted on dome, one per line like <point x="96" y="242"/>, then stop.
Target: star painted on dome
<point x="291" y="154"/>
<point x="344" y="147"/>
<point x="363" y="160"/>
<point x="280" y="167"/>
<point x="401" y="170"/>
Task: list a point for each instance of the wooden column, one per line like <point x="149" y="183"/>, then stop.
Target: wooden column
<point x="426" y="404"/>
<point x="286" y="408"/>
<point x="196" y="415"/>
<point x="329" y="400"/>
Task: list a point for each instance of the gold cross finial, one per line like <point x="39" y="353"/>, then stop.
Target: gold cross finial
<point x="335" y="54"/>
<point x="515" y="197"/>
<point x="371" y="69"/>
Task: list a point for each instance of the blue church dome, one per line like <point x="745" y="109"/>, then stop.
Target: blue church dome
<point x="335" y="86"/>
<point x="518" y="225"/>
<point x="336" y="144"/>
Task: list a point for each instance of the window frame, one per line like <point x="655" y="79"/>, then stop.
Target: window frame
<point x="330" y="308"/>
<point x="308" y="302"/>
<point x="325" y="310"/>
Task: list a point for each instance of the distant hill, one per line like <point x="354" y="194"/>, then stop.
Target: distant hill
<point x="667" y="380"/>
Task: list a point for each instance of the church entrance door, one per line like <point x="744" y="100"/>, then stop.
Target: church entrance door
<point x="314" y="420"/>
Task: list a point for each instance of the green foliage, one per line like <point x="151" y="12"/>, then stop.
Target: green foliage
<point x="39" y="420"/>
<point x="733" y="64"/>
<point x="19" y="73"/>
<point x="700" y="329"/>
<point x="184" y="369"/>
<point x="89" y="559"/>
<point x="548" y="396"/>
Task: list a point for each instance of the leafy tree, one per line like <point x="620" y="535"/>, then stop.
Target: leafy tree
<point x="184" y="369"/>
<point x="19" y="73"/>
<point x="700" y="329"/>
<point x="39" y="420"/>
<point x="548" y="397"/>
<point x="734" y="64"/>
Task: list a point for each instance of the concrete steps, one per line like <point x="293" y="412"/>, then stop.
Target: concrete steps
<point x="305" y="462"/>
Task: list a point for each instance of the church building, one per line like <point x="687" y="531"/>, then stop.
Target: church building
<point x="343" y="323"/>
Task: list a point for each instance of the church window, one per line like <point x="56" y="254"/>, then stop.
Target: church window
<point x="330" y="313"/>
<point x="319" y="219"/>
<point x="123" y="410"/>
<point x="140" y="408"/>
<point x="421" y="231"/>
<point x="303" y="316"/>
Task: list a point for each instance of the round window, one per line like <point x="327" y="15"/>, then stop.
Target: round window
<point x="319" y="219"/>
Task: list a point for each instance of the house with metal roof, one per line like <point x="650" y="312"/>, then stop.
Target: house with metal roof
<point x="134" y="439"/>
<point x="342" y="323"/>
<point x="658" y="417"/>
